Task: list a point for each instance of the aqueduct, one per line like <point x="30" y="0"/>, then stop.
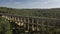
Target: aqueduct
<point x="28" y="24"/>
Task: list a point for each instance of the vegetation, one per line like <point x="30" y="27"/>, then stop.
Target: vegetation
<point x="4" y="26"/>
<point x="51" y="13"/>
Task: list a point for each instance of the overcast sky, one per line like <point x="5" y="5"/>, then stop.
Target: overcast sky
<point x="30" y="3"/>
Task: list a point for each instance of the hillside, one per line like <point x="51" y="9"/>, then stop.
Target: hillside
<point x="5" y="26"/>
<point x="51" y="13"/>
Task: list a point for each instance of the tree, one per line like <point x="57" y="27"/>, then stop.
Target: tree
<point x="4" y="26"/>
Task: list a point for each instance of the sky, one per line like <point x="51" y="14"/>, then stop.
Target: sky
<point x="30" y="3"/>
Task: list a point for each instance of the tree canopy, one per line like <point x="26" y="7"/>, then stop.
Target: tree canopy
<point x="4" y="26"/>
<point x="51" y="13"/>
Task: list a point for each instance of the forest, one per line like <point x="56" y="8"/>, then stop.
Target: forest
<point x="5" y="26"/>
<point x="50" y="13"/>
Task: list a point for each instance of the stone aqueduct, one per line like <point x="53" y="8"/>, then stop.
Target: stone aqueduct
<point x="32" y="24"/>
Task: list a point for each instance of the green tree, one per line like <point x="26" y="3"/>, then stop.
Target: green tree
<point x="4" y="26"/>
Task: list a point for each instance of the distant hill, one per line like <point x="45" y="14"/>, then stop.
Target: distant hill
<point x="51" y="13"/>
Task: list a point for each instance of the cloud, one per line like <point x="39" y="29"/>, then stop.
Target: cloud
<point x="31" y="3"/>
